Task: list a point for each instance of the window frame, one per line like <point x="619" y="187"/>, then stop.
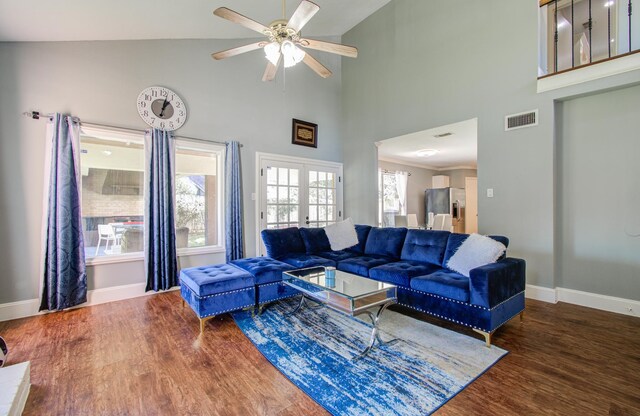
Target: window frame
<point x="208" y="147"/>
<point x="116" y="133"/>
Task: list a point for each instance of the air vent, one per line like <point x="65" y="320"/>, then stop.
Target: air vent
<point x="437" y="136"/>
<point x="520" y="120"/>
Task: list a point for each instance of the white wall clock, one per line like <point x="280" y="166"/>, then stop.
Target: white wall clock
<point x="161" y="108"/>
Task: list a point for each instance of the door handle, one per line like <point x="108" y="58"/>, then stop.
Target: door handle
<point x="307" y="222"/>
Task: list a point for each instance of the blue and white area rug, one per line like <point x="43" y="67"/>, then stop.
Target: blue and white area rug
<point x="414" y="376"/>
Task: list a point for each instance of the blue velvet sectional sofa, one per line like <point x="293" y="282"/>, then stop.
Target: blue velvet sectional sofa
<point x="414" y="260"/>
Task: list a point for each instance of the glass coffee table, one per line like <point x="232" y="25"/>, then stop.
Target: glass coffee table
<point x="344" y="292"/>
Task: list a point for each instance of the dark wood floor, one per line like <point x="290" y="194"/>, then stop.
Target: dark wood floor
<point x="144" y="357"/>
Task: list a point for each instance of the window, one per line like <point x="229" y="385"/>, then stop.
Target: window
<point x="112" y="164"/>
<point x="392" y="196"/>
<point x="198" y="194"/>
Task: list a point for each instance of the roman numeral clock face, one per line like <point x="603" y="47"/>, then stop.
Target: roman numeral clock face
<point x="161" y="108"/>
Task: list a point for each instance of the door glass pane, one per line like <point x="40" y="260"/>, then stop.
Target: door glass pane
<point x="272" y="194"/>
<point x="293" y="214"/>
<point x="293" y="177"/>
<point x="283" y="194"/>
<point x="313" y="178"/>
<point x="313" y="213"/>
<point x="272" y="214"/>
<point x="283" y="176"/>
<point x="293" y="195"/>
<point x="272" y="176"/>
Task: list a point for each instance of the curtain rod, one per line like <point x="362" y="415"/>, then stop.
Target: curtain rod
<point x="396" y="171"/>
<point x="36" y="115"/>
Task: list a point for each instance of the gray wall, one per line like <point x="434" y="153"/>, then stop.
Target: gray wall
<point x="427" y="63"/>
<point x="420" y="180"/>
<point x="599" y="194"/>
<point x="100" y="81"/>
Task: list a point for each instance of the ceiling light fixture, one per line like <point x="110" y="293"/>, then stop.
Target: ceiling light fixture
<point x="427" y="152"/>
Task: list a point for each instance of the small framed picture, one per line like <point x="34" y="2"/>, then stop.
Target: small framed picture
<point x="304" y="133"/>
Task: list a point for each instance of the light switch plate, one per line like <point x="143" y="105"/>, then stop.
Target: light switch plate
<point x="489" y="192"/>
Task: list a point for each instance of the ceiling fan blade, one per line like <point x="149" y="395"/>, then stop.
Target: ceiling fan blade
<point x="236" y="17"/>
<point x="316" y="66"/>
<point x="270" y="71"/>
<point x="237" y="51"/>
<point x="302" y="15"/>
<point x="330" y="47"/>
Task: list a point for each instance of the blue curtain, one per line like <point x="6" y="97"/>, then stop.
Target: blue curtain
<point x="160" y="258"/>
<point x="233" y="202"/>
<point x="65" y="272"/>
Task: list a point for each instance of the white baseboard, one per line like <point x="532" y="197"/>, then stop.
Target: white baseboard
<point x="29" y="307"/>
<point x="545" y="294"/>
<point x="590" y="300"/>
<point x="603" y="302"/>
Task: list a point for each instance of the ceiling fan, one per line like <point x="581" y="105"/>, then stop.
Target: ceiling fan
<point x="284" y="40"/>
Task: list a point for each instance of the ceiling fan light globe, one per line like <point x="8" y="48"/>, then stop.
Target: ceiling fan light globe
<point x="289" y="61"/>
<point x="272" y="52"/>
<point x="287" y="48"/>
<point x="298" y="54"/>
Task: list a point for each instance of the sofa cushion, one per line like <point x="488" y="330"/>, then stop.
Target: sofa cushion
<point x="283" y="241"/>
<point x="315" y="240"/>
<point x="363" y="232"/>
<point x="303" y="260"/>
<point x="360" y="265"/>
<point x="209" y="280"/>
<point x="385" y="242"/>
<point x="264" y="269"/>
<point x="337" y="255"/>
<point x="425" y="246"/>
<point x="445" y="283"/>
<point x="456" y="240"/>
<point x="401" y="272"/>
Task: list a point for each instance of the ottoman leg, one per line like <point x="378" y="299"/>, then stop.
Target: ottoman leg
<point x="204" y="321"/>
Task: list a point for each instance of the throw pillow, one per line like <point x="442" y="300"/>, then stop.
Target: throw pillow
<point x="477" y="250"/>
<point x="341" y="235"/>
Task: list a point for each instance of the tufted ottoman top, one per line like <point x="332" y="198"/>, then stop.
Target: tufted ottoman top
<point x="265" y="269"/>
<point x="219" y="278"/>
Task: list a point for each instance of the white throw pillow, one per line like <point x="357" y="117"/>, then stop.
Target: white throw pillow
<point x="477" y="250"/>
<point x="342" y="235"/>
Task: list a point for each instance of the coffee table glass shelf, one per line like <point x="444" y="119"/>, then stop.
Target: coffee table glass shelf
<point x="344" y="292"/>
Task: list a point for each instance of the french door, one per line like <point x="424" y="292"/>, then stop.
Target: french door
<point x="297" y="192"/>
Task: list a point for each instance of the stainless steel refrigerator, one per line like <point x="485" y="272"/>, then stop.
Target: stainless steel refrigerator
<point x="446" y="201"/>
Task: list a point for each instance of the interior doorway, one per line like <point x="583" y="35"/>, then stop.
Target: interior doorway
<point x="427" y="175"/>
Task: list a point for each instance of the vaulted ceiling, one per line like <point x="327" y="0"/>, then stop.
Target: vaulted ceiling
<point x="75" y="20"/>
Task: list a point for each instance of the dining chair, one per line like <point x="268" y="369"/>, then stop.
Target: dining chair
<point x="106" y="233"/>
<point x="400" y="221"/>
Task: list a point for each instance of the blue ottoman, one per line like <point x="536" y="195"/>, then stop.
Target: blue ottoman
<point x="268" y="274"/>
<point x="212" y="290"/>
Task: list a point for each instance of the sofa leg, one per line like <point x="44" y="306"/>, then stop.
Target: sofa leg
<point x="204" y="321"/>
<point x="486" y="335"/>
<point x="522" y="316"/>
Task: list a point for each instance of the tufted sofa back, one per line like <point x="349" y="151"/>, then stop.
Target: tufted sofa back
<point x="426" y="246"/>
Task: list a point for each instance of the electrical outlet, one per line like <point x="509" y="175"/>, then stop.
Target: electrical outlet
<point x="489" y="192"/>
